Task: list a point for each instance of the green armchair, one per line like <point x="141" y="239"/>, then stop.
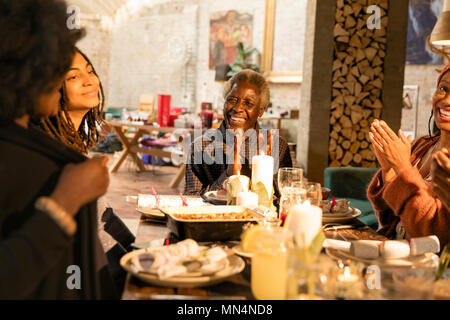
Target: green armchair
<point x="351" y="183"/>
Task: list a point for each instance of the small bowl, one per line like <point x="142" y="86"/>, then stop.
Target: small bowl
<point x="325" y="193"/>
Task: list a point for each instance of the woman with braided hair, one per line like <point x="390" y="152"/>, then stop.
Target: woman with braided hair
<point x="81" y="106"/>
<point x="402" y="190"/>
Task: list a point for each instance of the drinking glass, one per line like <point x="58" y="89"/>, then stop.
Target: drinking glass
<point x="269" y="264"/>
<point x="291" y="196"/>
<point x="286" y="176"/>
<point x="310" y="277"/>
<point x="313" y="192"/>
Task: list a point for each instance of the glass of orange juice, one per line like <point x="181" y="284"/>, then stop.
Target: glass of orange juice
<point x="270" y="263"/>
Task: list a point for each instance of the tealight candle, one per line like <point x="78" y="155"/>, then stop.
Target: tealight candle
<point x="247" y="199"/>
<point x="348" y="284"/>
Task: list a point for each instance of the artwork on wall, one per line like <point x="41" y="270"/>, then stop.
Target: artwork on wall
<point x="423" y="15"/>
<point x="227" y="28"/>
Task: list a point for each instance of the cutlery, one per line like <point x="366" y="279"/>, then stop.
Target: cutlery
<point x="260" y="212"/>
<point x="328" y="227"/>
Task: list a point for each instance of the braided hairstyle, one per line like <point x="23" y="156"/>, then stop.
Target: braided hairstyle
<point x="62" y="128"/>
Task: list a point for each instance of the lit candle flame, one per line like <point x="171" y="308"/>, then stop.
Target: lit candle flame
<point x="238" y="173"/>
<point x="262" y="153"/>
<point x="346" y="272"/>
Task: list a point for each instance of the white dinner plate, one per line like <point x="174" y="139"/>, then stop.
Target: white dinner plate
<point x="240" y="252"/>
<point x="328" y="218"/>
<point x="338" y="214"/>
<point x="199" y="273"/>
<point x="234" y="266"/>
<point x="151" y="212"/>
<point x="215" y="198"/>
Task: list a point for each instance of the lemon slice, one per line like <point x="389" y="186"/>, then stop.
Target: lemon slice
<point x="252" y="237"/>
<point x="261" y="237"/>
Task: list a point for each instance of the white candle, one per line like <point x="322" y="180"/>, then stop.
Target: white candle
<point x="247" y="199"/>
<point x="262" y="171"/>
<point x="237" y="183"/>
<point x="305" y="221"/>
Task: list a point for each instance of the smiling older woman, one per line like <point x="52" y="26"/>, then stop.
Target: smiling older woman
<point x="246" y="97"/>
<point x="401" y="192"/>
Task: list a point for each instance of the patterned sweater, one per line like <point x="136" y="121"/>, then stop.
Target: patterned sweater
<point x="211" y="173"/>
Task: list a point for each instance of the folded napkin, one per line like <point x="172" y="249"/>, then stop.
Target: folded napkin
<point x="183" y="257"/>
<point x="337" y="244"/>
<point x="424" y="244"/>
<point x="395" y="249"/>
<point x="365" y="249"/>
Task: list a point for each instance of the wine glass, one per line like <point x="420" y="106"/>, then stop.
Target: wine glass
<point x="286" y="176"/>
<point x="291" y="196"/>
<point x="313" y="192"/>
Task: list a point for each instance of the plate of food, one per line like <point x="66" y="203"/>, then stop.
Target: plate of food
<point x="217" y="197"/>
<point x="184" y="264"/>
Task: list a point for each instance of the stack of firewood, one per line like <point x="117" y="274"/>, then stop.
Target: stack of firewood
<point x="357" y="82"/>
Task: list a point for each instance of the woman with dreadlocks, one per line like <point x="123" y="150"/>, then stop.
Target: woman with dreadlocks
<point x="401" y="192"/>
<point x="81" y="106"/>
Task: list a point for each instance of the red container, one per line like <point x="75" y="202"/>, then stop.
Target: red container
<point x="207" y="119"/>
<point x="163" y="117"/>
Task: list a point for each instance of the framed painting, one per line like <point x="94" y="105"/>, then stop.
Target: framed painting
<point x="422" y="16"/>
<point x="227" y="29"/>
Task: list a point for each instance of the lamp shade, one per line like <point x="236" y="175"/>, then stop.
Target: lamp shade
<point x="441" y="32"/>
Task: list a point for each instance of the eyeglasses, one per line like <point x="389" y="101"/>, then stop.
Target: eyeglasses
<point x="234" y="101"/>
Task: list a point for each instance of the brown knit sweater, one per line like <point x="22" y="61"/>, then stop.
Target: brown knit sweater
<point x="409" y="199"/>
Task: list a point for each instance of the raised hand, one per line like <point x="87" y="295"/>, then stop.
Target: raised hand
<point x="440" y="173"/>
<point x="391" y="150"/>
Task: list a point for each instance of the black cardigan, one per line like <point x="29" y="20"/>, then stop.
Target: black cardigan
<point x="34" y="252"/>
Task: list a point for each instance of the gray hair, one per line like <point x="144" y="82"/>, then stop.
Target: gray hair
<point x="253" y="77"/>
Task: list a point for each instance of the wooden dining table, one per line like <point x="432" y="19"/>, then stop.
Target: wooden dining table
<point x="152" y="232"/>
<point x="131" y="145"/>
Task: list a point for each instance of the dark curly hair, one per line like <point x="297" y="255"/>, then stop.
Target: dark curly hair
<point x="36" y="50"/>
<point x="62" y="128"/>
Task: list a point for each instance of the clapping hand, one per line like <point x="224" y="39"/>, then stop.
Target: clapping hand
<point x="392" y="151"/>
<point x="440" y="173"/>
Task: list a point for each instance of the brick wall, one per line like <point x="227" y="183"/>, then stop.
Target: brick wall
<point x="132" y="55"/>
